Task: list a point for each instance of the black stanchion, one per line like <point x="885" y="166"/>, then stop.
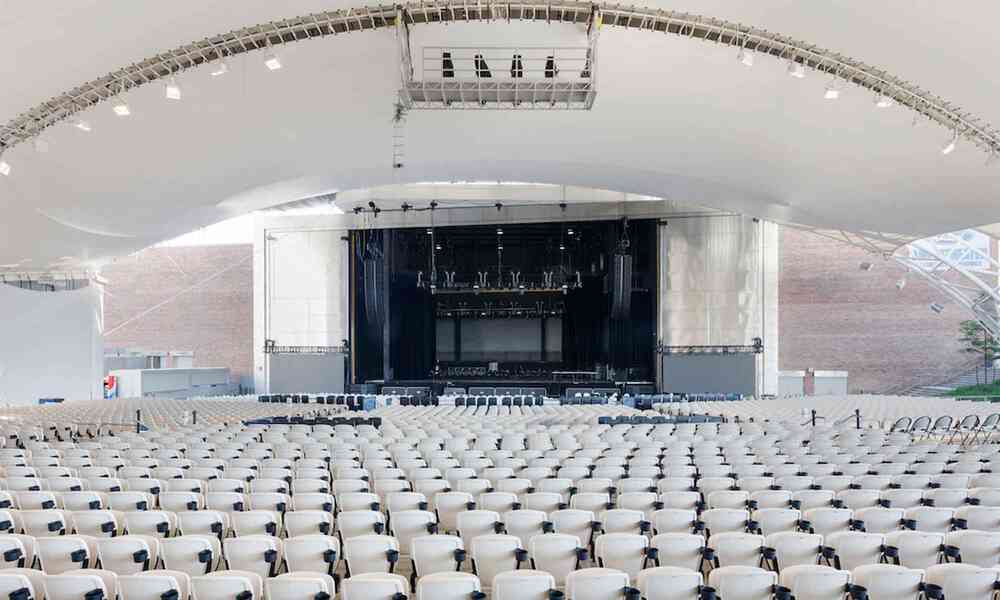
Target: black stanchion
<point x="814" y="417"/>
<point x="857" y="417"/>
<point x="138" y="420"/>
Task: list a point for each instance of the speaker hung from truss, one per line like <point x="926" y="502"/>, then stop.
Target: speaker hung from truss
<point x="621" y="277"/>
<point x="374" y="285"/>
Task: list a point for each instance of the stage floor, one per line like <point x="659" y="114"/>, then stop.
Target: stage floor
<point x="551" y="387"/>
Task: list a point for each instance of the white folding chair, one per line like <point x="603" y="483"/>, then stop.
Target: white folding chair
<point x="596" y="584"/>
<point x="370" y="554"/>
<point x="889" y="582"/>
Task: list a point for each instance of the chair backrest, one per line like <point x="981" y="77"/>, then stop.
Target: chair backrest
<point x="148" y="587"/>
<point x="815" y="582"/>
<point x="889" y="582"/>
<point x="447" y="586"/>
<point x="596" y="584"/>
<point x="669" y="583"/>
<point x="743" y="582"/>
<point x="522" y="585"/>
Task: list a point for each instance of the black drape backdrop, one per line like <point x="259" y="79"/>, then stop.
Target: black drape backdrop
<point x="583" y="335"/>
<point x="412" y="329"/>
<point x="589" y="336"/>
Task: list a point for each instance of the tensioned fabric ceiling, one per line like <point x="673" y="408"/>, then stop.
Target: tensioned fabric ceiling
<point x="677" y="118"/>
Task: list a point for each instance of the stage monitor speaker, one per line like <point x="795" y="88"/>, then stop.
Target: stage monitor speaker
<point x="621" y="286"/>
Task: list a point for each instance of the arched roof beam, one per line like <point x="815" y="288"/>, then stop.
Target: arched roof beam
<point x="331" y="23"/>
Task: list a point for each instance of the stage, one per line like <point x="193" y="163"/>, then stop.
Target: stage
<point x="508" y="387"/>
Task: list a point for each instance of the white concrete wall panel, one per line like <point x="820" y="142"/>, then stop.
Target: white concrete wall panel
<point x="53" y="345"/>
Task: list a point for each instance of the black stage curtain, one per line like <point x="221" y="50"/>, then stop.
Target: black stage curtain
<point x="412" y="329"/>
<point x="631" y="340"/>
<point x="586" y="313"/>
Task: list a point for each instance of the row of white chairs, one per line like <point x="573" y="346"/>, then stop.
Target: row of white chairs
<point x="559" y="557"/>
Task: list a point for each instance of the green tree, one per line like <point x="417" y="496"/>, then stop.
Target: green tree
<point x="977" y="339"/>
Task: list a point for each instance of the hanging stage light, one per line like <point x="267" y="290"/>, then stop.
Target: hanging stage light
<point x="482" y="69"/>
<point x="447" y="65"/>
<point x="219" y="68"/>
<point x="172" y="91"/>
<point x="950" y="146"/>
<point x="272" y="62"/>
<point x="551" y="70"/>
<point x="516" y="67"/>
<point x="121" y="108"/>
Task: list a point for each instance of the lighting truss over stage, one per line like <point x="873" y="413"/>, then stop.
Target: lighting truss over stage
<point x="499" y="77"/>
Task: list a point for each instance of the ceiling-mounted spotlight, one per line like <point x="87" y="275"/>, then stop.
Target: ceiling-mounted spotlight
<point x="220" y="67"/>
<point x="745" y="57"/>
<point x="121" y="108"/>
<point x="430" y="231"/>
<point x="562" y="246"/>
<point x="796" y="70"/>
<point x="937" y="308"/>
<point x="499" y="231"/>
<point x="499" y="206"/>
<point x="883" y="101"/>
<point x="437" y="246"/>
<point x="172" y="91"/>
<point x="272" y="62"/>
<point x="831" y="93"/>
<point x="950" y="146"/>
<point x="83" y="126"/>
<point x="569" y="231"/>
<point x="866" y="266"/>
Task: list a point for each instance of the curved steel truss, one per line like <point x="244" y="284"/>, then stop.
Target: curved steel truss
<point x="976" y="288"/>
<point x="968" y="274"/>
<point x="332" y="23"/>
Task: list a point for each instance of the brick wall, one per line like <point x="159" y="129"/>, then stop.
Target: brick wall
<point x="833" y="315"/>
<point x="196" y="298"/>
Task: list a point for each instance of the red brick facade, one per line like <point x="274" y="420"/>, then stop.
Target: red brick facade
<point x="833" y="315"/>
<point x="197" y="298"/>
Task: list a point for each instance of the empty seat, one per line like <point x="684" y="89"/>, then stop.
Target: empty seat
<point x="596" y="584"/>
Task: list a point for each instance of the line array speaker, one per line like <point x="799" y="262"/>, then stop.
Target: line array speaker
<point x="621" y="286"/>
